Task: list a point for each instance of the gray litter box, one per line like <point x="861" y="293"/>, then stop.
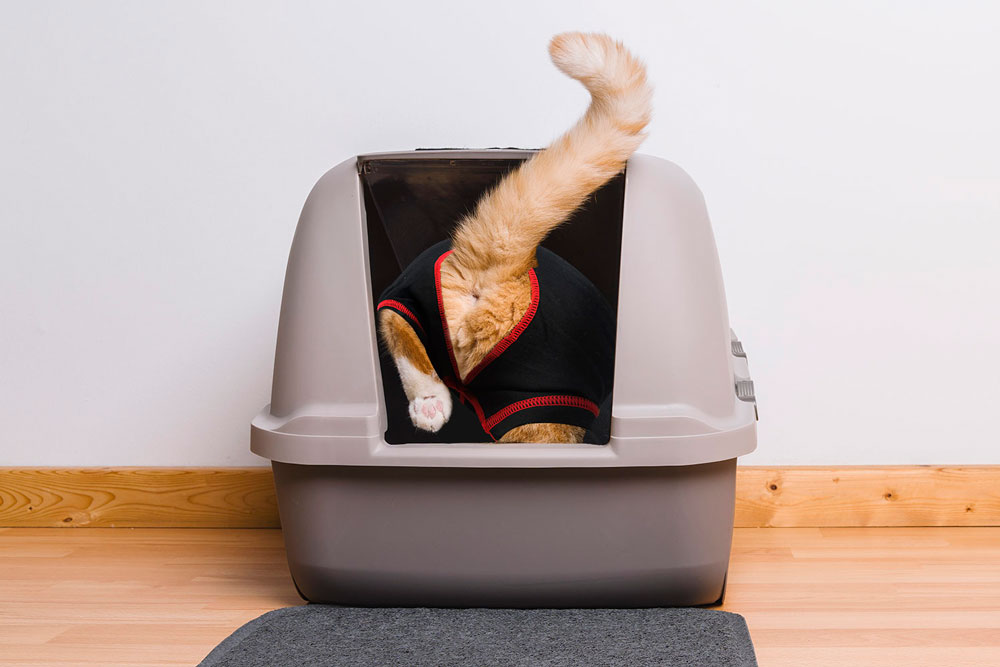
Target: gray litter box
<point x="375" y="512"/>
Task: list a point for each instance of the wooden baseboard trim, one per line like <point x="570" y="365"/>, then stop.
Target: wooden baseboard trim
<point x="138" y="497"/>
<point x="868" y="496"/>
<point x="244" y="497"/>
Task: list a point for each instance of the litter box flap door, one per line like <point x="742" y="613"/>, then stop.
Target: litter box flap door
<point x="673" y="366"/>
<point x="325" y="364"/>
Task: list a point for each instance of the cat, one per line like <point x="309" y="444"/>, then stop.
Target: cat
<point x="474" y="301"/>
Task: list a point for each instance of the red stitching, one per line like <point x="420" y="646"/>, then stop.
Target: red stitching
<point x="471" y="400"/>
<point x="518" y="329"/>
<point x="396" y="305"/>
<point x="444" y="322"/>
<point x="541" y="401"/>
<point x="498" y="349"/>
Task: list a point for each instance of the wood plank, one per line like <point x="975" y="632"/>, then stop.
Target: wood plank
<point x="879" y="656"/>
<point x="147" y="597"/>
<point x="868" y="496"/>
<point x="138" y="497"/>
<point x="244" y="497"/>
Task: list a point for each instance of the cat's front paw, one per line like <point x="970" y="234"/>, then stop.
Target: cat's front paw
<point x="430" y="412"/>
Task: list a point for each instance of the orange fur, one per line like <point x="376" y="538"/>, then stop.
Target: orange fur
<point x="510" y="221"/>
<point x="544" y="433"/>
<point x="429" y="400"/>
<point x="403" y="342"/>
<point x="484" y="283"/>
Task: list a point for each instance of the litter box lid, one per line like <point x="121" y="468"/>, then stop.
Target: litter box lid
<point x="682" y="393"/>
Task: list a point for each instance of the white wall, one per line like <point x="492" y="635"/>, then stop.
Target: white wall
<point x="154" y="157"/>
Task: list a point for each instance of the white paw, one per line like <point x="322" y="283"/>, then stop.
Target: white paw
<point x="431" y="411"/>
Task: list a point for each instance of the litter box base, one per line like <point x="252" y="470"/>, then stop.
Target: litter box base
<point x="508" y="537"/>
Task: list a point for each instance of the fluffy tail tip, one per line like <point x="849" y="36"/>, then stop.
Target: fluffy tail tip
<point x="583" y="55"/>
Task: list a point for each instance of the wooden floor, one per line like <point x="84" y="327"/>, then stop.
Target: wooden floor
<point x="812" y="596"/>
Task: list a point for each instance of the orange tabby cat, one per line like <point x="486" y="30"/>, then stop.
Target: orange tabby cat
<point x="485" y="288"/>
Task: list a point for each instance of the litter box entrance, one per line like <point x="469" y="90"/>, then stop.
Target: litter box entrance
<point x="413" y="202"/>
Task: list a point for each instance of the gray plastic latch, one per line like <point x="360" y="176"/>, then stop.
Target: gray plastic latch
<point x="736" y="345"/>
<point x="744" y="391"/>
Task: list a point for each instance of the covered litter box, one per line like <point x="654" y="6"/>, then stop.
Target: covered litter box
<point x="375" y="512"/>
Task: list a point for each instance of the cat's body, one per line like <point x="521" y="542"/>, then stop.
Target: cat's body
<point x="485" y="284"/>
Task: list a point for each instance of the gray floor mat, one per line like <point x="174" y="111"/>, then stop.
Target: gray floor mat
<point x="318" y="635"/>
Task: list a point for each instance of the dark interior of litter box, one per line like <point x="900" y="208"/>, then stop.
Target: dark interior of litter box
<point x="412" y="203"/>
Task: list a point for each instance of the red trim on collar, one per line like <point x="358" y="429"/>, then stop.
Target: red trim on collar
<point x="488" y="423"/>
<point x="396" y="305"/>
<point x="504" y="343"/>
<point x="518" y="329"/>
<point x="471" y="400"/>
<point x="444" y="321"/>
<point x="538" y="402"/>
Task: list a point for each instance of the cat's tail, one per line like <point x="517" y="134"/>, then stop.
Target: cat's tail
<point x="512" y="219"/>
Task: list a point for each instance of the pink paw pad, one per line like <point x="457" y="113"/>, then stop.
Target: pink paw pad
<point x="430" y="409"/>
<point x="430" y="412"/>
